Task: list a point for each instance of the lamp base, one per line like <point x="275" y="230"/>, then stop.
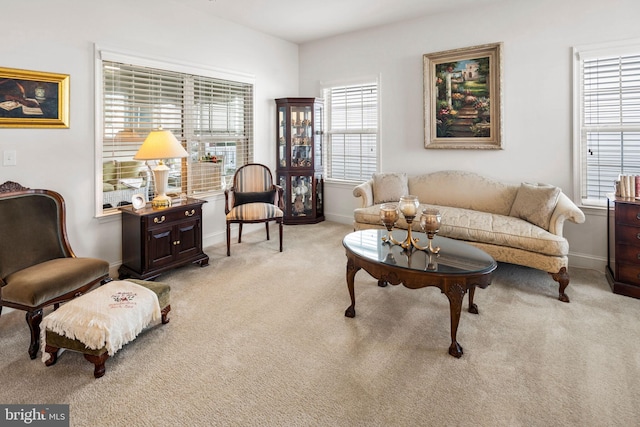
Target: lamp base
<point x="161" y="202"/>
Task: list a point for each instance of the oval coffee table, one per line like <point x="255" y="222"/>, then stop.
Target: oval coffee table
<point x="456" y="269"/>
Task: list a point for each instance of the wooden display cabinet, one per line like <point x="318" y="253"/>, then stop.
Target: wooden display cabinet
<point x="299" y="158"/>
<point x="624" y="279"/>
<point x="157" y="240"/>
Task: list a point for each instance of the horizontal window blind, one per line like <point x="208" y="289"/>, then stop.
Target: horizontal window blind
<point x="212" y="118"/>
<point x="610" y="122"/>
<point x="352" y="135"/>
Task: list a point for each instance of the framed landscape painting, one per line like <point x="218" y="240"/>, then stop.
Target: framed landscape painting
<point x="33" y="99"/>
<point x="463" y="98"/>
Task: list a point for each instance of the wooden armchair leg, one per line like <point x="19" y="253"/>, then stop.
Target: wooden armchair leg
<point x="267" y="227"/>
<point x="280" y="230"/>
<point x="240" y="232"/>
<point x="228" y="239"/>
<point x="33" y="320"/>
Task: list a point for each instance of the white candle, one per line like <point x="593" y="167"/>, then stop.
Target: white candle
<point x="409" y="209"/>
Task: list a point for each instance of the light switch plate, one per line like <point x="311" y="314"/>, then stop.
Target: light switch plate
<point x="9" y="158"/>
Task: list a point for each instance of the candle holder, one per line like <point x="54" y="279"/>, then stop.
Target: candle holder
<point x="409" y="205"/>
<point x="389" y="216"/>
<point x="430" y="222"/>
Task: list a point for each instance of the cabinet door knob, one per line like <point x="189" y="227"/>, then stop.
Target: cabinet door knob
<point x="176" y="243"/>
<point x="187" y="213"/>
<point x="162" y="218"/>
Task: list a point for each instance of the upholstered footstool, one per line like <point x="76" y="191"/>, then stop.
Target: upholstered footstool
<point x="101" y="322"/>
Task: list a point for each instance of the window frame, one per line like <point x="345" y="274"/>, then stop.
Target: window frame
<point x="580" y="147"/>
<point x="115" y="55"/>
<point x="328" y="85"/>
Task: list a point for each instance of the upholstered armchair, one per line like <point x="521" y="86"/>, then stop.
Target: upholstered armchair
<point x="253" y="198"/>
<point x="37" y="265"/>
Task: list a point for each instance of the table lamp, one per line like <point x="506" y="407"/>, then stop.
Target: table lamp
<point x="160" y="145"/>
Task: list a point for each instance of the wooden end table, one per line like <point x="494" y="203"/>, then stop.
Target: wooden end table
<point x="456" y="269"/>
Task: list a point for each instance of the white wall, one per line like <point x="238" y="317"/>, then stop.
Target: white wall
<point x="537" y="70"/>
<point x="59" y="37"/>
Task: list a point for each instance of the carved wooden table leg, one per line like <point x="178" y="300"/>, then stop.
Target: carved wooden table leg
<point x="99" y="362"/>
<point x="473" y="308"/>
<point x="455" y="292"/>
<point x="351" y="274"/>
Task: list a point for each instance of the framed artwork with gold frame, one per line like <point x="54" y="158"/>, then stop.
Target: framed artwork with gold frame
<point x="463" y="98"/>
<point x="33" y="99"/>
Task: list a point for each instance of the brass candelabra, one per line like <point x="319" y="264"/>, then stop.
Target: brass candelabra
<point x="430" y="221"/>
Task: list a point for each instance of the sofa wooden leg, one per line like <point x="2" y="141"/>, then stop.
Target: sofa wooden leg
<point x="562" y="277"/>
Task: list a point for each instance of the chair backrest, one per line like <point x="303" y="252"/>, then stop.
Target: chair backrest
<point x="252" y="177"/>
<point x="32" y="226"/>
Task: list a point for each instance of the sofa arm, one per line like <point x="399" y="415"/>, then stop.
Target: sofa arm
<point x="565" y="210"/>
<point x="365" y="190"/>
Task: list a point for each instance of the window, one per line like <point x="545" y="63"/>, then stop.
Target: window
<point x="211" y="116"/>
<point x="352" y="131"/>
<point x="607" y="84"/>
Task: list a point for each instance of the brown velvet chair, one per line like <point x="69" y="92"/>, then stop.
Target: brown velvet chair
<point x="253" y="198"/>
<point x="37" y="265"/>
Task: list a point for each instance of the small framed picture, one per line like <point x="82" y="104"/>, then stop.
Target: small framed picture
<point x="138" y="201"/>
<point x="30" y="99"/>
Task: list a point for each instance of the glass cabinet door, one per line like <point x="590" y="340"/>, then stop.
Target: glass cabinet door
<point x="282" y="137"/>
<point x="301" y="137"/>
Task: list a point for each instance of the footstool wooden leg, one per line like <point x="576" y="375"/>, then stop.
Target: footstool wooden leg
<point x="98" y="361"/>
<point x="165" y="314"/>
<point x="53" y="354"/>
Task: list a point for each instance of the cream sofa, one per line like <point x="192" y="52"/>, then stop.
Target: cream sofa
<point x="518" y="224"/>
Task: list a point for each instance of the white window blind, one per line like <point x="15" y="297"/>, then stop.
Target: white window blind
<point x="352" y="135"/>
<point x="213" y="118"/>
<point x="609" y="121"/>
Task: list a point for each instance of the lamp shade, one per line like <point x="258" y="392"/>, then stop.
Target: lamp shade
<point x="160" y="144"/>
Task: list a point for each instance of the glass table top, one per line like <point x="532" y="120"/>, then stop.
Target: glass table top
<point x="455" y="257"/>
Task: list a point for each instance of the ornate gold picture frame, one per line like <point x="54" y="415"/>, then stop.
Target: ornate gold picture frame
<point x="463" y="98"/>
<point x="31" y="99"/>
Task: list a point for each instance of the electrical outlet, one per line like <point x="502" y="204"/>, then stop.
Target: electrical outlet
<point x="9" y="158"/>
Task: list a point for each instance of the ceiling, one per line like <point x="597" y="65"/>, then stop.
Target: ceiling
<point x="301" y="21"/>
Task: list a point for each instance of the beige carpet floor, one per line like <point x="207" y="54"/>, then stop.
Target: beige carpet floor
<point x="260" y="339"/>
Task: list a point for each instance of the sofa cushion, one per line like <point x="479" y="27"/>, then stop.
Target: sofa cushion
<point x="466" y="190"/>
<point x="389" y="187"/>
<point x="475" y="226"/>
<point x="535" y="203"/>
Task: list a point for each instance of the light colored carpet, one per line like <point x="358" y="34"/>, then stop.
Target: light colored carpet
<point x="260" y="338"/>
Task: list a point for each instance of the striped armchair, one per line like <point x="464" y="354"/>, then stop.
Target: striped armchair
<point x="253" y="198"/>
